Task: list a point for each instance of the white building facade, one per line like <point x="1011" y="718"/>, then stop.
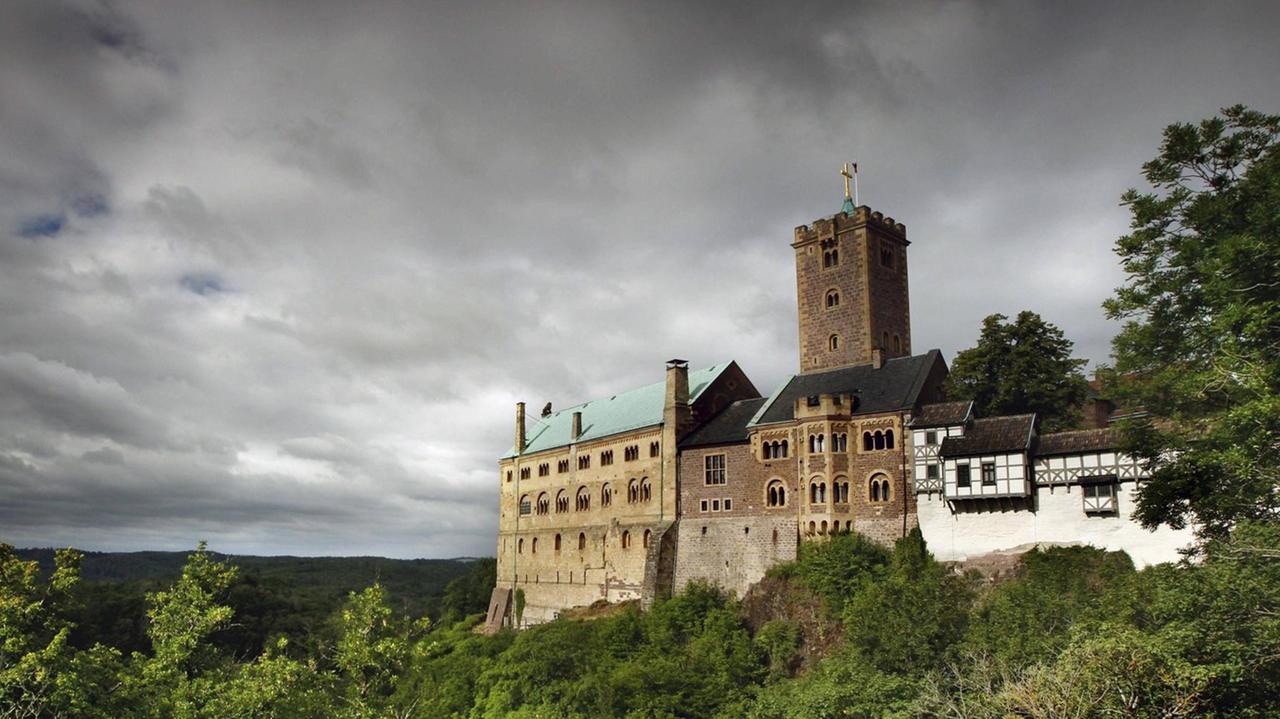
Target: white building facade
<point x="996" y="485"/>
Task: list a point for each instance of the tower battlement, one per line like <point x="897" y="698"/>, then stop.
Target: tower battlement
<point x="840" y="222"/>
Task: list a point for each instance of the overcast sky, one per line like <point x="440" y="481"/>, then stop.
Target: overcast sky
<point x="273" y="274"/>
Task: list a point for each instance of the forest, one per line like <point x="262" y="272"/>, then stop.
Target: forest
<point x="850" y="629"/>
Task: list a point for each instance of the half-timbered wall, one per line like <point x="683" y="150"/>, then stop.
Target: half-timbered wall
<point x="924" y="454"/>
<point x="1010" y="476"/>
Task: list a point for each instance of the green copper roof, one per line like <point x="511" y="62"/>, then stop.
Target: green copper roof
<point x="847" y="208"/>
<point x="641" y="407"/>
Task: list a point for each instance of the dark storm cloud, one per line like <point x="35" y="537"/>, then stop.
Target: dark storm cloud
<point x="273" y="274"/>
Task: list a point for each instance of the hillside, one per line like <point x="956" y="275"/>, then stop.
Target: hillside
<point x="294" y="597"/>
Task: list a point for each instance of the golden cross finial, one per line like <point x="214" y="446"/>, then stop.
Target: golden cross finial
<point x="844" y="171"/>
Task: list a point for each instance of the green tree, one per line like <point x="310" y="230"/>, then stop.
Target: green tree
<point x="1021" y="367"/>
<point x="373" y="649"/>
<point x="1200" y="346"/>
<point x="904" y="623"/>
<point x="41" y="674"/>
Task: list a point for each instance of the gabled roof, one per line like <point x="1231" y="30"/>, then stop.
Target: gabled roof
<point x="992" y="435"/>
<point x="943" y="414"/>
<point x="895" y="386"/>
<point x="1085" y="440"/>
<point x="728" y="427"/>
<point x="640" y="407"/>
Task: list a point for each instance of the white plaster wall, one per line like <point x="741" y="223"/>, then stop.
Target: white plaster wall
<point x="1059" y="519"/>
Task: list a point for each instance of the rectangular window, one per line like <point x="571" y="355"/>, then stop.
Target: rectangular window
<point x="703" y="505"/>
<point x="962" y="475"/>
<point x="930" y="437"/>
<point x="931" y="471"/>
<point x="714" y="469"/>
<point x="1100" y="498"/>
<point x="989" y="473"/>
<point x="715" y="505"/>
<point x="728" y="505"/>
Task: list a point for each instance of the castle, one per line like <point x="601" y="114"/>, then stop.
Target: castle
<point x="700" y="477"/>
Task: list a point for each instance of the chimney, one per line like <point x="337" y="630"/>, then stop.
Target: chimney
<point x="520" y="437"/>
<point x="675" y="409"/>
<point x="577" y="426"/>
<point x="877" y="357"/>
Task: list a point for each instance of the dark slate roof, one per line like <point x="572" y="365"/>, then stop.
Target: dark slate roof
<point x="943" y="414"/>
<point x="1085" y="440"/>
<point x="895" y="386"/>
<point x="728" y="427"/>
<point x="992" y="435"/>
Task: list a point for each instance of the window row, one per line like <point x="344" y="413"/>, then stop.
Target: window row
<point x="818" y="442"/>
<point x="821" y="527"/>
<point x="777" y="449"/>
<point x="897" y="342"/>
<point x="877" y="440"/>
<point x="988" y="470"/>
<point x="877" y="491"/>
<point x="629" y="454"/>
<point x="716" y="505"/>
<point x="557" y="541"/>
<point x="640" y="490"/>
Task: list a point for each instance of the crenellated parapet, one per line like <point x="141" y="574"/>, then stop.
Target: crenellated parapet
<point x="842" y="222"/>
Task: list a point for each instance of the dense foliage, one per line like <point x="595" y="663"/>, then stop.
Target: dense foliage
<point x="1074" y="632"/>
<point x="1021" y="367"/>
<point x="1200" y="349"/>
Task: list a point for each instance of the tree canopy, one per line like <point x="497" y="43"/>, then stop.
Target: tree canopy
<point x="1200" y="346"/>
<point x="1020" y="367"/>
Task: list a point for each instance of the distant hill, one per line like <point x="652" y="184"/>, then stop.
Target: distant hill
<point x="294" y="596"/>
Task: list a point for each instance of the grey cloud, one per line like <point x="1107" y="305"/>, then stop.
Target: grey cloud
<point x="307" y="254"/>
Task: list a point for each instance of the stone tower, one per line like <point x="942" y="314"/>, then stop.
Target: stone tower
<point x="851" y="290"/>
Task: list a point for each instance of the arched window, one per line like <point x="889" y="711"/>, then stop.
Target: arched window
<point x="897" y="344"/>
<point x="557" y="542"/>
<point x="835" y="257"/>
<point x="833" y="342"/>
<point x="647" y="534"/>
<point x="606" y="495"/>
<point x="584" y="499"/>
<point x="626" y="540"/>
<point x="784" y="448"/>
<point x="813" y="444"/>
<point x="822" y="441"/>
<point x="867" y="442"/>
<point x="562" y="501"/>
<point x="813" y="528"/>
<point x="879" y="439"/>
<point x="888" y="439"/>
<point x="767" y="450"/>
<point x="833" y="298"/>
<point x="534" y="547"/>
<point x="777" y="494"/>
<point x="520" y="546"/>
<point x="813" y="493"/>
<point x="633" y="492"/>
<point x="544" y="503"/>
<point x="884" y="340"/>
<point x="822" y="528"/>
<point x="646" y="490"/>
<point x="879" y="489"/>
<point x="582" y="541"/>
